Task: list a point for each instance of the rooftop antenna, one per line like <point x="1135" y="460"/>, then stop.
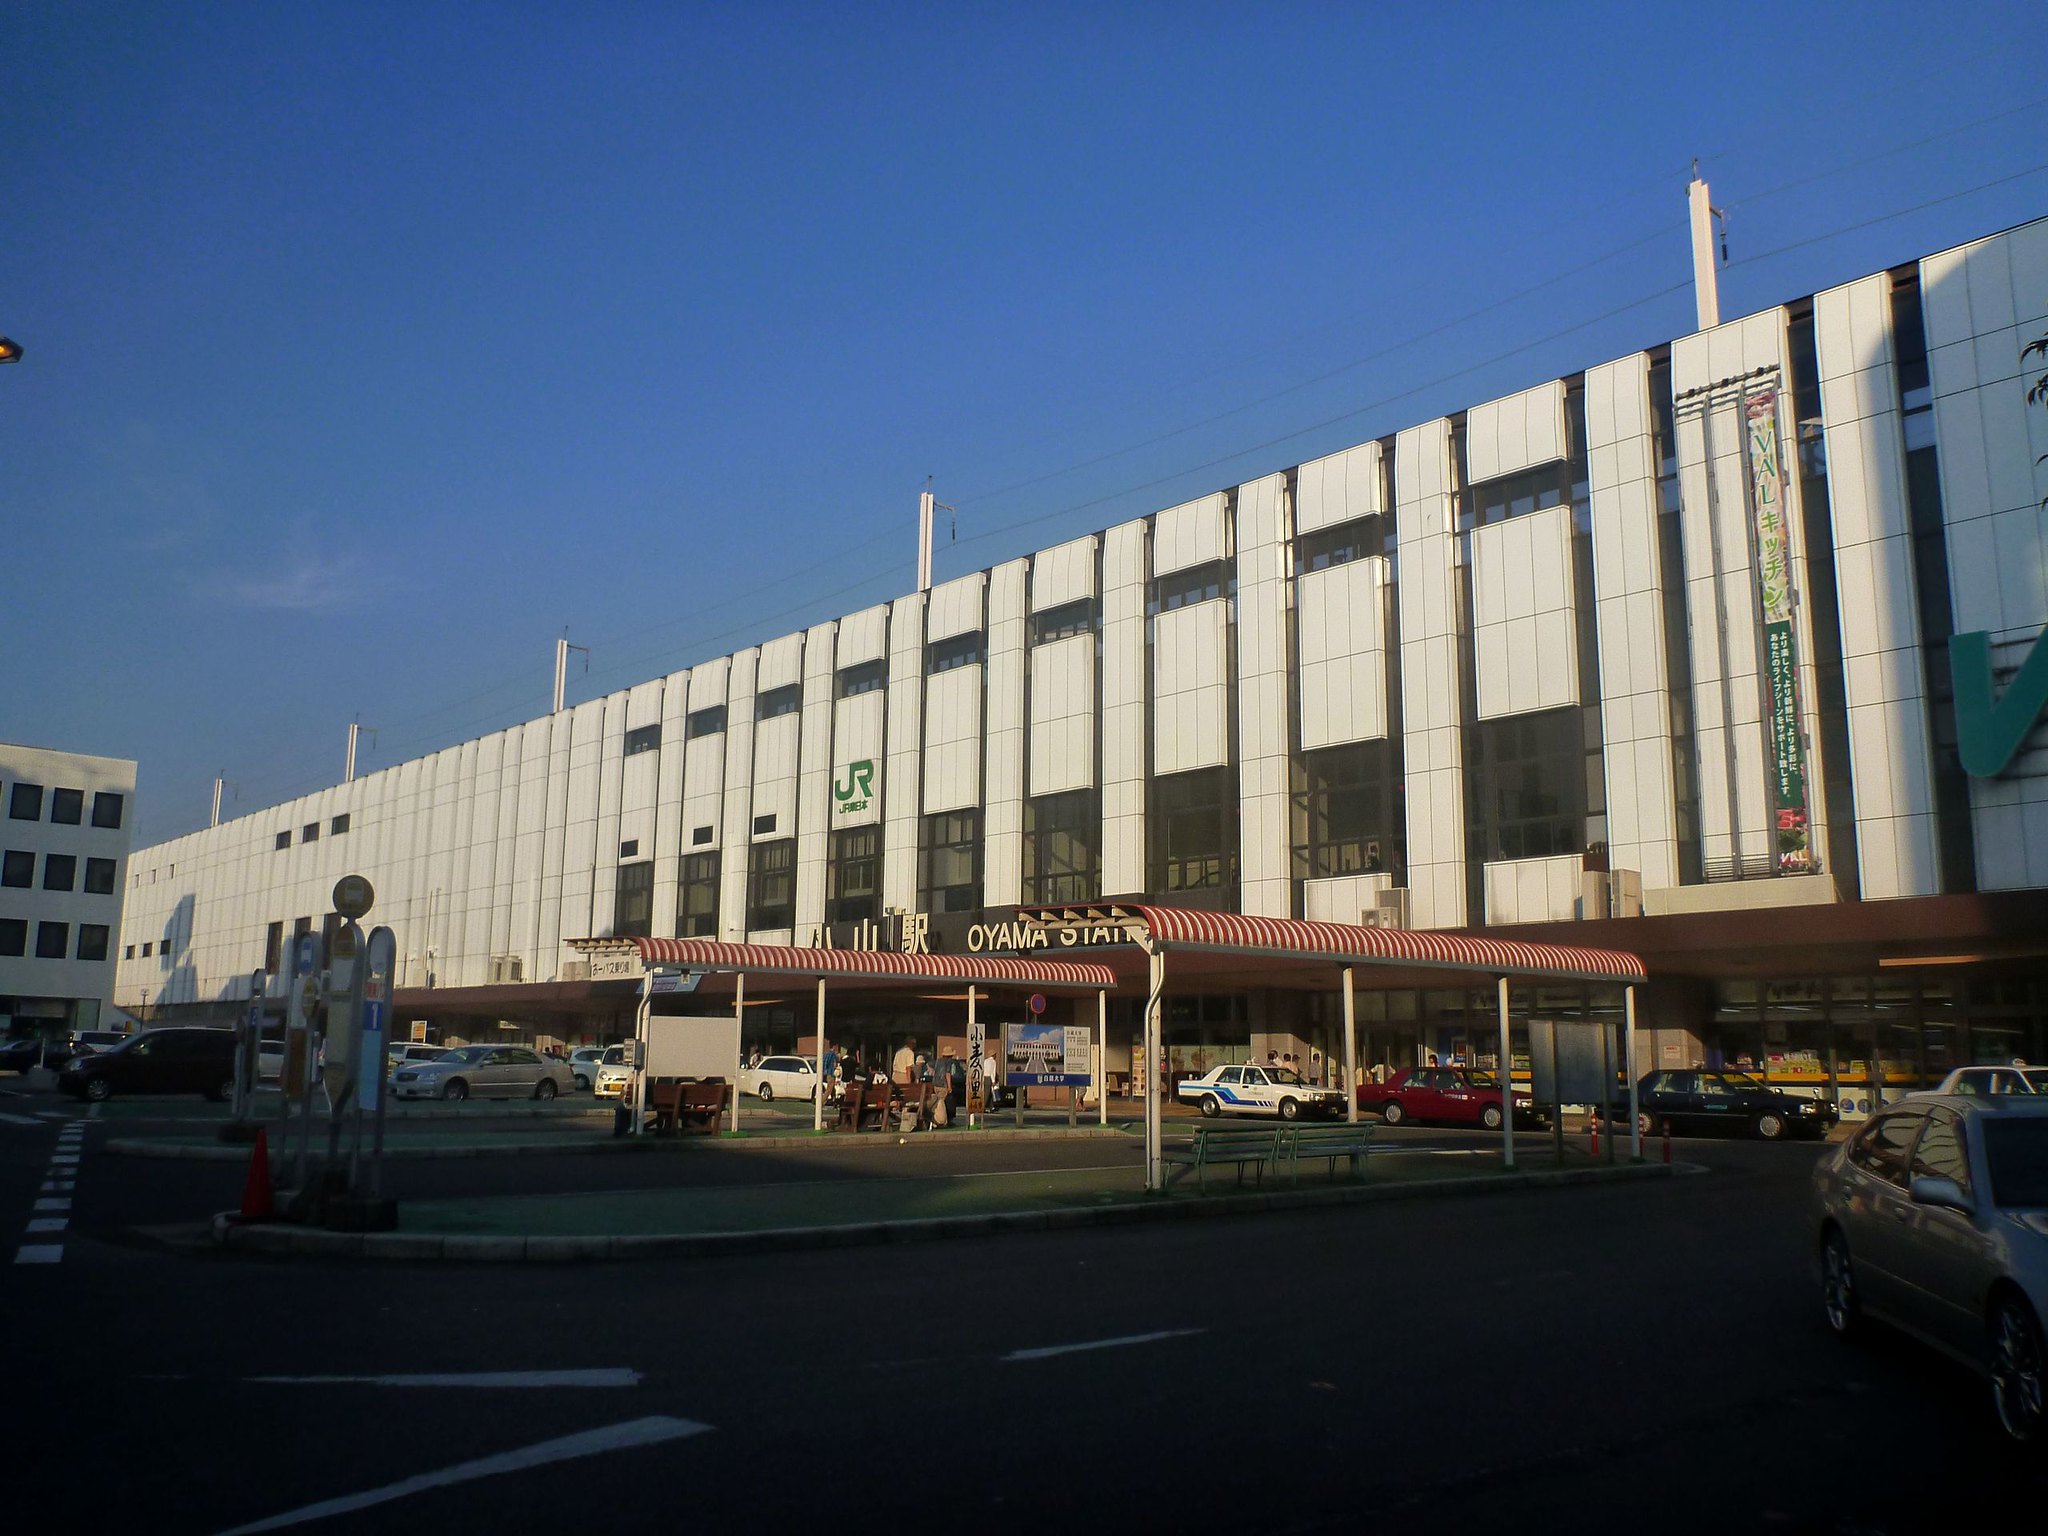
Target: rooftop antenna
<point x="220" y="782"/>
<point x="562" y="650"/>
<point x="1706" y="286"/>
<point x="355" y="730"/>
<point x="926" y="506"/>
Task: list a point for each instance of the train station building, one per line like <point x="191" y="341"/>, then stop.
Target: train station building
<point x="1724" y="654"/>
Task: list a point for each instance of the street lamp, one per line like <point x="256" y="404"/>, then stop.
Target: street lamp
<point x="10" y="350"/>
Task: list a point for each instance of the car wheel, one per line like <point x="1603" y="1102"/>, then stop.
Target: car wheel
<point x="545" y="1089"/>
<point x="1646" y="1123"/>
<point x="765" y="1093"/>
<point x="1392" y="1112"/>
<point x="456" y="1090"/>
<point x="1211" y="1106"/>
<point x="2018" y="1363"/>
<point x="1490" y="1117"/>
<point x="1770" y="1126"/>
<point x="1838" y="1297"/>
<point x="1290" y="1109"/>
<point x="222" y="1091"/>
<point x="582" y="1082"/>
<point x="98" y="1089"/>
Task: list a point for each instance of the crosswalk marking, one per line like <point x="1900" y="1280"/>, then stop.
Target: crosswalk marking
<point x="39" y="1253"/>
<point x="48" y="1223"/>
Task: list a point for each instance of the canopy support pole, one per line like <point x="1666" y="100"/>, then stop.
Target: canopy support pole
<point x="739" y="1009"/>
<point x="1102" y="1054"/>
<point x="1155" y="1165"/>
<point x="1507" y="1083"/>
<point x="1350" y="1047"/>
<point x="1628" y="1057"/>
<point x="818" y="1092"/>
<point x="974" y="1068"/>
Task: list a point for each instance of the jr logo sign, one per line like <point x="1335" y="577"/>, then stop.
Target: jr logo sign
<point x="1988" y="735"/>
<point x="856" y="788"/>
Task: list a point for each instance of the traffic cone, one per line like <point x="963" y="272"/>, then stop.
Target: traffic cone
<point x="256" y="1191"/>
<point x="1593" y="1125"/>
<point x="1667" y="1141"/>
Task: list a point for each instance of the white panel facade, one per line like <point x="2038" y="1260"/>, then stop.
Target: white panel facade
<point x="864" y="636"/>
<point x="672" y="840"/>
<point x="952" y="739"/>
<point x="1124" y="736"/>
<point x="736" y="832"/>
<point x="1341" y="671"/>
<point x="1264" y="854"/>
<point x="1432" y="741"/>
<point x="1339" y="489"/>
<point x="814" y="778"/>
<point x="1533" y="890"/>
<point x="1343" y="898"/>
<point x="1524" y="625"/>
<point x="900" y="788"/>
<point x="1506" y="436"/>
<point x="1891" y="751"/>
<point x="1002" y="869"/>
<point x="954" y="607"/>
<point x="1192" y="533"/>
<point x="1063" y="574"/>
<point x="1063" y="715"/>
<point x="858" y="759"/>
<point x="1190" y="695"/>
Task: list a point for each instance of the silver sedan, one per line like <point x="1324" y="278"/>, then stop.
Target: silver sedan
<point x="485" y="1072"/>
<point x="1934" y="1218"/>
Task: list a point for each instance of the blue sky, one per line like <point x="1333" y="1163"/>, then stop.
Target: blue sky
<point x="368" y="346"/>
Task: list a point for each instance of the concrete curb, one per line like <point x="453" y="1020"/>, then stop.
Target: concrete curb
<point x="229" y="1231"/>
<point x="214" y="1152"/>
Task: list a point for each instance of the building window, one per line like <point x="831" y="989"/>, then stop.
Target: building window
<point x="338" y="825"/>
<point x="147" y="950"/>
<point x="1530" y="490"/>
<point x="310" y="832"/>
<point x="704" y="722"/>
<point x="1536" y="790"/>
<point x="273" y="947"/>
<point x="697" y="907"/>
<point x="1193" y="831"/>
<point x="699" y="836"/>
<point x="106" y="808"/>
<point x="52" y="940"/>
<point x="633" y="901"/>
<point x="1196" y="584"/>
<point x="330" y="930"/>
<point x="282" y="840"/>
<point x="128" y="953"/>
<point x="1068" y="619"/>
<point x="92" y="941"/>
<point x="853" y="876"/>
<point x="60" y="871"/>
<point x="630" y="848"/>
<point x="25" y="803"/>
<point x="1352" y="813"/>
<point x="779" y="701"/>
<point x="1063" y="847"/>
<point x="18" y="869"/>
<point x="13" y="936"/>
<point x="1358" y="539"/>
<point x="763" y="825"/>
<point x="954" y="651"/>
<point x="646" y="739"/>
<point x="950" y="877"/>
<point x="771" y="884"/>
<point x="67" y="806"/>
<point x="99" y="877"/>
<point x="863" y="677"/>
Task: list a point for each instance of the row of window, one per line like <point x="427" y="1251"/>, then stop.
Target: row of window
<point x="53" y="940"/>
<point x="60" y="872"/>
<point x="67" y="806"/>
<point x="310" y="832"/>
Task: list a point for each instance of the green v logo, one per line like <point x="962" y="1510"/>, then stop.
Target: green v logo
<point x="1988" y="735"/>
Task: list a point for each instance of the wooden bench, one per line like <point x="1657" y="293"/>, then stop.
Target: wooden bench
<point x="1215" y="1146"/>
<point x="1328" y="1142"/>
<point x="664" y="1101"/>
<point x="701" y="1107"/>
<point x="851" y="1097"/>
<point x="913" y="1105"/>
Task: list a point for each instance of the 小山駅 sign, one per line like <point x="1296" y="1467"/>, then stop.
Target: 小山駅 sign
<point x="1989" y="735"/>
<point x="853" y="787"/>
<point x="353" y="896"/>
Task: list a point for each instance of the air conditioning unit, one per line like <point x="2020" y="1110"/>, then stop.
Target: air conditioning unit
<point x="508" y="968"/>
<point x="1390" y="909"/>
<point x="1610" y="893"/>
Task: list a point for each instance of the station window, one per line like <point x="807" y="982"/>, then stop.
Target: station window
<point x="106" y="808"/>
<point x="630" y="848"/>
<point x="148" y="950"/>
<point x="273" y="947"/>
<point x="99" y="877"/>
<point x="67" y="806"/>
<point x="18" y="869"/>
<point x="771" y="884"/>
<point x="699" y="836"/>
<point x="853" y="876"/>
<point x="1063" y="847"/>
<point x="954" y="651"/>
<point x="338" y="825"/>
<point x="282" y="840"/>
<point x="1352" y="812"/>
<point x="777" y="702"/>
<point x="1536" y="791"/>
<point x="128" y="953"/>
<point x="862" y="677"/>
<point x="1068" y="619"/>
<point x="1358" y="539"/>
<point x="951" y="862"/>
<point x="1196" y="584"/>
<point x="60" y="871"/>
<point x="92" y="941"/>
<point x="704" y="722"/>
<point x="697" y="904"/>
<point x="1193" y="831"/>
<point x="13" y="935"/>
<point x="310" y="832"/>
<point x="646" y="739"/>
<point x="25" y="802"/>
<point x="633" y="901"/>
<point x="52" y="940"/>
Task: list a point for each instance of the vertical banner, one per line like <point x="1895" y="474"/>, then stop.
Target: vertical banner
<point x="1781" y="654"/>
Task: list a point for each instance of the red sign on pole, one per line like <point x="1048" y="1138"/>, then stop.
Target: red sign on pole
<point x="1037" y="1003"/>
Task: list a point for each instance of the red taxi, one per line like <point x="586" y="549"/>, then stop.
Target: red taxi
<point x="1445" y="1095"/>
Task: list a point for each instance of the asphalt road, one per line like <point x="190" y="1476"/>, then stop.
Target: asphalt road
<point x="1647" y="1356"/>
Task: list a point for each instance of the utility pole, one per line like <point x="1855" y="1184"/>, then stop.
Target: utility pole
<point x="926" y="506"/>
<point x="219" y="782"/>
<point x="1706" y="285"/>
<point x="562" y="650"/>
<point x="355" y="729"/>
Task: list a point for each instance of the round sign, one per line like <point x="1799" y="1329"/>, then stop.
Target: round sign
<point x="353" y="896"/>
<point x="1037" y="1002"/>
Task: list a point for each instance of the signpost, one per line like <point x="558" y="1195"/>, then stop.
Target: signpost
<point x="1048" y="1056"/>
<point x="245" y="1045"/>
<point x="379" y="960"/>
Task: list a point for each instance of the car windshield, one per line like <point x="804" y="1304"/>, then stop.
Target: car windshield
<point x="1284" y="1076"/>
<point x="468" y="1056"/>
<point x="2017" y="1153"/>
<point x="2036" y="1078"/>
<point x="1482" y="1079"/>
<point x="1741" y="1082"/>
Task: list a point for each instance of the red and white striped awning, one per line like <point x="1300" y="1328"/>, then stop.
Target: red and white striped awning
<point x="868" y="964"/>
<point x="1285" y="938"/>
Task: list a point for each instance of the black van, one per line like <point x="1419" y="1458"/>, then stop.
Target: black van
<point x="171" y="1060"/>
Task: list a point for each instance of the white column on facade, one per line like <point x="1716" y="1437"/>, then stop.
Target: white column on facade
<point x="1123" y="710"/>
<point x="1265" y="850"/>
<point x="902" y="776"/>
<point x="1432" y="736"/>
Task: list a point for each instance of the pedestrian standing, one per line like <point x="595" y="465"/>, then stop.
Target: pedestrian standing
<point x="988" y="1077"/>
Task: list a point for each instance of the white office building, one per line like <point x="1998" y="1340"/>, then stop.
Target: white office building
<point x="1653" y="657"/>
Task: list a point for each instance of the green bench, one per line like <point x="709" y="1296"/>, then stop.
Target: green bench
<point x="1220" y="1146"/>
<point x="1328" y="1142"/>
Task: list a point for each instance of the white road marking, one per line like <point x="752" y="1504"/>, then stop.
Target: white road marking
<point x="654" y="1430"/>
<point x="48" y="1224"/>
<point x="54" y="1203"/>
<point x="39" y="1253"/>
<point x="1030" y="1173"/>
<point x="64" y="1157"/>
<point x="621" y="1376"/>
<point x="1048" y="1351"/>
<point x="19" y="1119"/>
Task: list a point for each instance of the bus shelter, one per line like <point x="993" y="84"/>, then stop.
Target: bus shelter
<point x="1230" y="948"/>
<point x="970" y="979"/>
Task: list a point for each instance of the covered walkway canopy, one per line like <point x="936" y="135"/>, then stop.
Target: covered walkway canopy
<point x="1289" y="951"/>
<point x="869" y="968"/>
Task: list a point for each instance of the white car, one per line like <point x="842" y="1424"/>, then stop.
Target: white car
<point x="612" y="1074"/>
<point x="1252" y="1090"/>
<point x="269" y="1060"/>
<point x="1988" y="1082"/>
<point x="782" y="1077"/>
<point x="485" y="1072"/>
<point x="584" y="1064"/>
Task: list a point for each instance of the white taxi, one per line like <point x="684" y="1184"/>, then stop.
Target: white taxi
<point x="1253" y="1090"/>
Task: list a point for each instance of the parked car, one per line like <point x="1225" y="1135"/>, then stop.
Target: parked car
<point x="1450" y="1095"/>
<point x="408" y="1052"/>
<point x="612" y="1073"/>
<point x="84" y="1040"/>
<point x="29" y="1051"/>
<point x="786" y="1077"/>
<point x="583" y="1065"/>
<point x="269" y="1060"/>
<point x="1253" y="1090"/>
<point x="1985" y="1082"/>
<point x="1694" y="1101"/>
<point x="485" y="1071"/>
<point x="175" y="1059"/>
<point x="1934" y="1218"/>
